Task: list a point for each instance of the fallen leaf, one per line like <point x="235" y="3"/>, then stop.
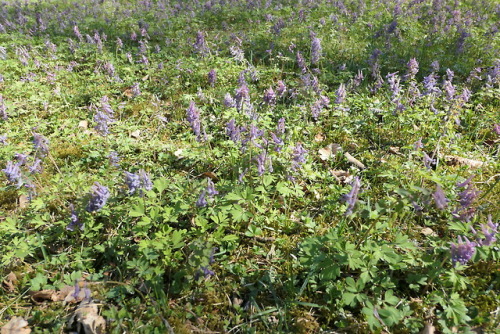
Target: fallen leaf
<point x="135" y="134"/>
<point x="210" y="175"/>
<point x="354" y="161"/>
<point x="42" y="295"/>
<point x="319" y="137"/>
<point x="395" y="150"/>
<point x="341" y="176"/>
<point x="179" y="154"/>
<point x="10" y="282"/>
<point x="453" y="160"/>
<point x="23" y="201"/>
<point x="87" y="320"/>
<point x="128" y="92"/>
<point x="428" y="232"/>
<point x="16" y="325"/>
<point x="83" y="124"/>
<point x="145" y="78"/>
<point x="329" y="151"/>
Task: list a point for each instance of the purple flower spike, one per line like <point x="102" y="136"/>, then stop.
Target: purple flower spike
<point x="211" y="191"/>
<point x="41" y="145"/>
<point x="270" y="97"/>
<point x="193" y="117"/>
<point x="75" y="221"/>
<point x="352" y="197"/>
<point x="315" y="50"/>
<point x="496" y="128"/>
<point x="103" y="117"/>
<point x="489" y="230"/>
<point x="98" y="197"/>
<point x="440" y="198"/>
<point x="462" y="251"/>
<point x="202" y="201"/>
<point x="3" y="109"/>
<point x="341" y="94"/>
<point x="299" y="156"/>
<point x="13" y="173"/>
<point x="212" y="77"/>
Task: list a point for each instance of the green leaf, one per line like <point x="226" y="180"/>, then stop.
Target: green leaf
<point x="137" y="210"/>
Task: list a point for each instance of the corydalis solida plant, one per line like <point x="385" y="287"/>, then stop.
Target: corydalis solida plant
<point x="98" y="197"/>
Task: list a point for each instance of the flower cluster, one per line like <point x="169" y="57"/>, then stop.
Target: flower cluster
<point x="138" y="182"/>
<point x="98" y="197"/>
<point x="352" y="197"/>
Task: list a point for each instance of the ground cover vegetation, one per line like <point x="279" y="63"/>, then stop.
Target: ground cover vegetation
<point x="247" y="166"/>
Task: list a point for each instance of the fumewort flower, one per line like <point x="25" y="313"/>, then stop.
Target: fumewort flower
<point x="74" y="220"/>
<point x="41" y="145"/>
<point x="270" y="96"/>
<point x="193" y="117"/>
<point x="212" y="77"/>
<point x="412" y="69"/>
<point x="299" y="156"/>
<point x="440" y="198"/>
<point x="210" y="191"/>
<point x="489" y="231"/>
<point x="315" y="50"/>
<point x="103" y="117"/>
<point x="340" y="94"/>
<point x="99" y="195"/>
<point x="13" y="173"/>
<point x="462" y="251"/>
<point x="352" y="197"/>
<point x="136" y="183"/>
<point x="466" y="198"/>
<point x="3" y="109"/>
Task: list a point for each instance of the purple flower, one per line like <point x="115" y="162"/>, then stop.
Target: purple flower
<point x="280" y="128"/>
<point x="41" y="145"/>
<point x="496" y="128"/>
<point x="393" y="80"/>
<point x="465" y="210"/>
<point x="103" y="116"/>
<point x="261" y="163"/>
<point x="212" y="77"/>
<point x="13" y="173"/>
<point x="428" y="161"/>
<point x="229" y="102"/>
<point x="412" y="68"/>
<point x="299" y="156"/>
<point x="270" y="97"/>
<point x="114" y="159"/>
<point x="74" y="220"/>
<point x="136" y="91"/>
<point x="138" y="182"/>
<point x="440" y="198"/>
<point x="36" y="167"/>
<point x="352" y="197"/>
<point x="98" y="197"/>
<point x="3" y="109"/>
<point x="341" y="94"/>
<point x="462" y="251"/>
<point x="281" y="89"/>
<point x="358" y="79"/>
<point x="449" y="90"/>
<point x="202" y="201"/>
<point x="242" y="96"/>
<point x="233" y="131"/>
<point x="132" y="181"/>
<point x="3" y="140"/>
<point x="193" y="117"/>
<point x="418" y="144"/>
<point x="301" y="62"/>
<point x="315" y="50"/>
<point x="200" y="46"/>
<point x="211" y="191"/>
<point x="278" y="142"/>
<point x="430" y="84"/>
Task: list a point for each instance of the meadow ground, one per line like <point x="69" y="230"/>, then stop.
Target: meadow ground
<point x="239" y="166"/>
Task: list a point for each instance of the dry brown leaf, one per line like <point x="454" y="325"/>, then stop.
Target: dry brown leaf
<point x="319" y="137"/>
<point x="341" y="176"/>
<point x="210" y="175"/>
<point x="10" y="282"/>
<point x="23" y="201"/>
<point x="42" y="295"/>
<point x="179" y="154"/>
<point x="454" y="160"/>
<point x="87" y="319"/>
<point x="395" y="150"/>
<point x="128" y="92"/>
<point x="428" y="232"/>
<point x="135" y="134"/>
<point x="83" y="124"/>
<point x="145" y="78"/>
<point x="329" y="151"/>
<point x="16" y="325"/>
<point x="354" y="161"/>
